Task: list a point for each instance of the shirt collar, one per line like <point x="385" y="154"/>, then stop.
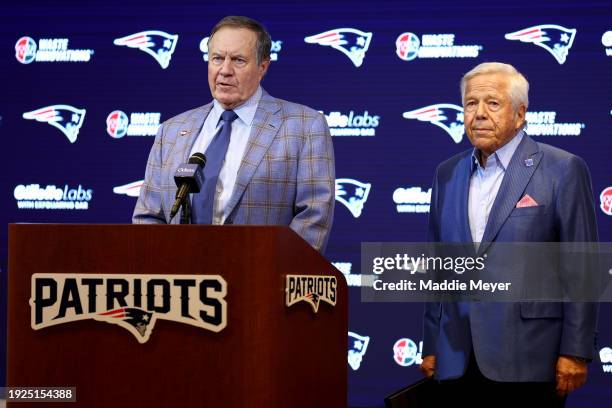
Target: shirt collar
<point x="245" y="112"/>
<point x="503" y="155"/>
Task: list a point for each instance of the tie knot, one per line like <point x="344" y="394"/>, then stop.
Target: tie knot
<point x="229" y="116"/>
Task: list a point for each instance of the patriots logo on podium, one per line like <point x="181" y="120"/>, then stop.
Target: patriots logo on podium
<point x="66" y="118"/>
<point x="445" y="115"/>
<point x="130" y="189"/>
<point x="158" y="44"/>
<point x="139" y="322"/>
<point x="357" y="346"/>
<point x="553" y="38"/>
<point x="312" y="289"/>
<point x="351" y="42"/>
<point x="353" y="194"/>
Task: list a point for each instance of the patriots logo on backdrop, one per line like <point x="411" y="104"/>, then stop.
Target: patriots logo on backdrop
<point x="139" y="322"/>
<point x="357" y="346"/>
<point x="158" y="44"/>
<point x="553" y="38"/>
<point x="66" y="118"/>
<point x="353" y="194"/>
<point x="351" y="42"/>
<point x="130" y="189"/>
<point x="445" y="115"/>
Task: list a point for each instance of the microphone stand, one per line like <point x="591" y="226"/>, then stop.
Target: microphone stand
<point x="186" y="211"/>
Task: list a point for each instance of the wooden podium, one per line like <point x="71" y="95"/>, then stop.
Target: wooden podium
<point x="267" y="354"/>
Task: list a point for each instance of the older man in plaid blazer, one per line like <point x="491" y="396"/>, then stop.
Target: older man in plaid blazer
<point x="279" y="165"/>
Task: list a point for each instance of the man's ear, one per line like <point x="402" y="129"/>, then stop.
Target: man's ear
<point x="520" y="117"/>
<point x="263" y="67"/>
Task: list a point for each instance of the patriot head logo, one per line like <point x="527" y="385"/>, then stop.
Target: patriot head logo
<point x="137" y="321"/>
<point x="605" y="201"/>
<point x="445" y="115"/>
<point x="351" y="42"/>
<point x="407" y="46"/>
<point x="66" y="118"/>
<point x="117" y="124"/>
<point x="158" y="44"/>
<point x="357" y="346"/>
<point x="553" y="38"/>
<point x="406" y="352"/>
<point x="130" y="189"/>
<point x="25" y="50"/>
<point x="353" y="194"/>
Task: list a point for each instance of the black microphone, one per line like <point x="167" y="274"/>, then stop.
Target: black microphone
<point x="188" y="178"/>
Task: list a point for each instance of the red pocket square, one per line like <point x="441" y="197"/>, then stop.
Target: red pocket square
<point x="526" y="201"/>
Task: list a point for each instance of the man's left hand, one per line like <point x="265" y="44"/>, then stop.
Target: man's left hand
<point x="571" y="374"/>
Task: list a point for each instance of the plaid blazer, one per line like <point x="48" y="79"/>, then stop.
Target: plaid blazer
<point x="286" y="176"/>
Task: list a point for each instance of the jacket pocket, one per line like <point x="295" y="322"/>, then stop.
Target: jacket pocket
<point x="524" y="211"/>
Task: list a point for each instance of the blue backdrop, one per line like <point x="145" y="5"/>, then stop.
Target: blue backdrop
<point x="85" y="84"/>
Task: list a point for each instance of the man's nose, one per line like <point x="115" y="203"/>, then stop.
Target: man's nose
<point x="226" y="67"/>
<point x="481" y="111"/>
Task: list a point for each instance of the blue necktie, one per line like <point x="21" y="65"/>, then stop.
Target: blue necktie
<point x="203" y="202"/>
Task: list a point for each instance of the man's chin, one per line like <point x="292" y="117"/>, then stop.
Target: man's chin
<point x="227" y="103"/>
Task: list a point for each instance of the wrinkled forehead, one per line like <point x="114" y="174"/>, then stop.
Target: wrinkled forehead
<point x="497" y="83"/>
<point x="233" y="41"/>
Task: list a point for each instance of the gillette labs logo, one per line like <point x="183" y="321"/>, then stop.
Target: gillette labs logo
<point x="35" y="197"/>
<point x="412" y="200"/>
<point x="351" y="124"/>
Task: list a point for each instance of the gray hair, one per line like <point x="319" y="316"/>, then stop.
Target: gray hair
<point x="519" y="87"/>
<point x="264" y="42"/>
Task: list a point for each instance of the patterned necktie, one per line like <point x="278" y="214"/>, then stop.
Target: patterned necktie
<point x="203" y="202"/>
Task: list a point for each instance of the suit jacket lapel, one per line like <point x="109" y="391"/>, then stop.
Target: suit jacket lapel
<point x="266" y="124"/>
<point x="464" y="189"/>
<point x="512" y="187"/>
<point x="188" y="132"/>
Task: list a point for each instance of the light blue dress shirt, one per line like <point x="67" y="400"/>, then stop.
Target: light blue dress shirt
<point x="485" y="183"/>
<point x="241" y="130"/>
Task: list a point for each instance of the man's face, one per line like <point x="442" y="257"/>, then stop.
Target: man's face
<point x="489" y="116"/>
<point x="233" y="72"/>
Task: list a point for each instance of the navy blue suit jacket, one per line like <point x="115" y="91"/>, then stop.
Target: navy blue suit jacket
<point x="518" y="341"/>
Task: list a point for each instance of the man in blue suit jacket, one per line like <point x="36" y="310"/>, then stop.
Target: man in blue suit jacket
<point x="508" y="189"/>
<point x="279" y="165"/>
